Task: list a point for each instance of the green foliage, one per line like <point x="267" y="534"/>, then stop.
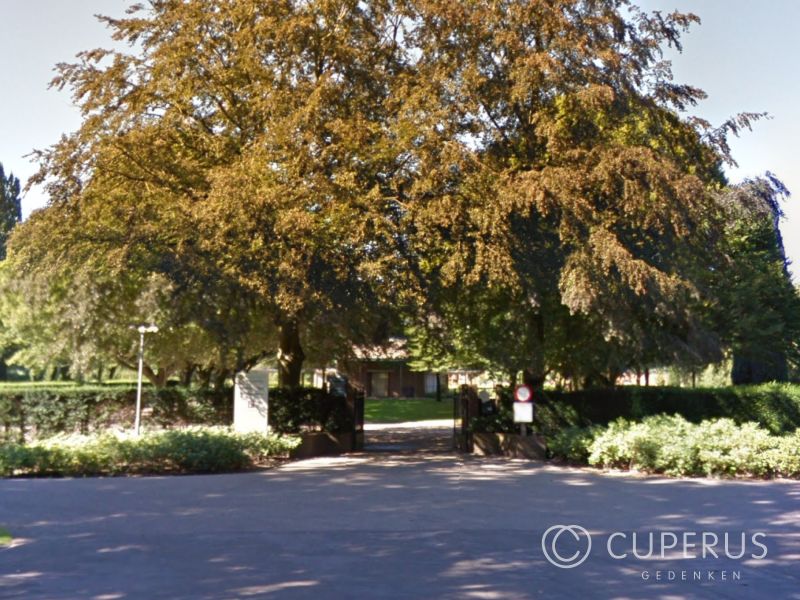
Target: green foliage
<point x="36" y="411"/>
<point x="572" y="443"/>
<point x="570" y="420"/>
<point x="10" y="207"/>
<point x="295" y="170"/>
<point x="674" y="446"/>
<point x="399" y="410"/>
<point x="786" y="456"/>
<point x="725" y="448"/>
<point x="292" y="410"/>
<point x="256" y="190"/>
<point x="775" y="406"/>
<point x="194" y="450"/>
<point x="625" y="444"/>
<point x="758" y="312"/>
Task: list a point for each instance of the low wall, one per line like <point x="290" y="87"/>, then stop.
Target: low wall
<point x="327" y="444"/>
<point x="512" y="445"/>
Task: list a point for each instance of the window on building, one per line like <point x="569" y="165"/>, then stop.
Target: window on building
<point x="430" y="383"/>
<point x="379" y="384"/>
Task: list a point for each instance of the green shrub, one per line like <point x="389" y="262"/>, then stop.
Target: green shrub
<point x="193" y="450"/>
<point x="500" y="422"/>
<point x="785" y="457"/>
<point x="39" y="411"/>
<point x="725" y="448"/>
<point x="573" y="443"/>
<point x="304" y="409"/>
<point x="677" y="451"/>
<point x="658" y="443"/>
<point x="674" y="446"/>
<point x="775" y="407"/>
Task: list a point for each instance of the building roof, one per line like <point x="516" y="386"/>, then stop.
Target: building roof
<point x="392" y="349"/>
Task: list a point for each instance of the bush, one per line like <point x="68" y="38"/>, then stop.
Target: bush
<point x="785" y="457"/>
<point x="727" y="449"/>
<point x="774" y="406"/>
<point x="573" y="443"/>
<point x="194" y="450"/>
<point x="674" y="446"/>
<point x="33" y="411"/>
<point x="308" y="409"/>
<point x="657" y="444"/>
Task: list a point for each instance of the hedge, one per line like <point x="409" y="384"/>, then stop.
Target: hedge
<point x="675" y="446"/>
<point x="304" y="409"/>
<point x="775" y="407"/>
<point x="193" y="450"/>
<point x="36" y="411"/>
<point x="31" y="412"/>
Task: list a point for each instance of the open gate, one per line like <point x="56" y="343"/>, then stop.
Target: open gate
<point x="466" y="406"/>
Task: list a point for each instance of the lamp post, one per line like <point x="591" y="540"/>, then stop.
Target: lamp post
<point x="142" y="329"/>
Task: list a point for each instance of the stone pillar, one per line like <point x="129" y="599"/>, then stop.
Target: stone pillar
<point x="251" y="401"/>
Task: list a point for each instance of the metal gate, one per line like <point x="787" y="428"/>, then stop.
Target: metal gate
<point x="466" y="406"/>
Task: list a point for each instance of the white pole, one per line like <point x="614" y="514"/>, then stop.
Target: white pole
<point x="139" y="385"/>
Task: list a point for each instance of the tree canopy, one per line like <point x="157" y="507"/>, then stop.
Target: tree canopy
<point x="506" y="180"/>
<point x="10" y="207"/>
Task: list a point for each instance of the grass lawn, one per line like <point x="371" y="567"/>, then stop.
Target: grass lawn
<point x="399" y="410"/>
<point x="5" y="536"/>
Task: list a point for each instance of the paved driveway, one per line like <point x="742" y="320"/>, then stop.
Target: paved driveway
<point x="387" y="526"/>
<point x="416" y="436"/>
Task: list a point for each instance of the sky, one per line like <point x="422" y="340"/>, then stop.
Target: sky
<point x="743" y="55"/>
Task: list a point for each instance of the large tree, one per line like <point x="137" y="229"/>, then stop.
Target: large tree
<point x="328" y="161"/>
<point x="758" y="313"/>
<point x="244" y="145"/>
<point x="556" y="170"/>
<point x="10" y="215"/>
<point x="10" y="207"/>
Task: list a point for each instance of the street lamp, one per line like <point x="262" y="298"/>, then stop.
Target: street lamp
<point x="142" y="329"/>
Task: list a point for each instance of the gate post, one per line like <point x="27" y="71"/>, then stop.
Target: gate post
<point x="355" y="402"/>
<point x="464" y="409"/>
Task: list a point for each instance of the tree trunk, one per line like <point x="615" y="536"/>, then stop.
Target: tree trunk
<point x="290" y="353"/>
<point x="187" y="375"/>
<point x="438" y="387"/>
<point x="534" y="375"/>
<point x="157" y="378"/>
<point x="205" y="377"/>
<point x="220" y="378"/>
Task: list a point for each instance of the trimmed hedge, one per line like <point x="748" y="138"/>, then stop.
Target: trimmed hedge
<point x="774" y="406"/>
<point x="194" y="450"/>
<point x="308" y="409"/>
<point x="31" y="412"/>
<point x="38" y="411"/>
<point x="675" y="446"/>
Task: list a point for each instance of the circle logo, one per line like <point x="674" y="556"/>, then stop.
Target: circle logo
<point x="550" y="543"/>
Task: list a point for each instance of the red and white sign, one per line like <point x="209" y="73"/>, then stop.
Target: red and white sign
<point x="523" y="393"/>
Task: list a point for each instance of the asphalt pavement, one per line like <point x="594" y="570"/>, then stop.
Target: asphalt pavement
<point x="424" y="524"/>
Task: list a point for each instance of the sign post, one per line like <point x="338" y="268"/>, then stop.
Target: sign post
<point x="523" y="407"/>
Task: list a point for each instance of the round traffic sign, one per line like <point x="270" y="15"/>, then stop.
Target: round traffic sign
<point x="523" y="393"/>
